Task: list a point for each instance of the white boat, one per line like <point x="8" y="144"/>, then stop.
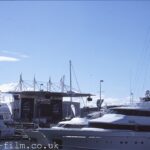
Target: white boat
<point x="55" y="133"/>
<point x="75" y="123"/>
<point x="5" y="118"/>
<point x="5" y="131"/>
<point x="123" y="128"/>
<point x="5" y="112"/>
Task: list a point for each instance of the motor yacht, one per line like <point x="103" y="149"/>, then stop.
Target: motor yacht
<point x="5" y="118"/>
<point x="55" y="134"/>
<point x="5" y="131"/>
<point x="121" y="128"/>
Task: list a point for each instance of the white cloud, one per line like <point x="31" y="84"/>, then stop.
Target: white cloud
<point x="8" y="59"/>
<point x="21" y="55"/>
<point x="24" y="56"/>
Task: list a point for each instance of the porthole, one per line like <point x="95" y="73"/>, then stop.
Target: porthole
<point x="121" y="142"/>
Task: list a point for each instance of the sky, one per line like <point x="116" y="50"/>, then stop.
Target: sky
<point x="104" y="40"/>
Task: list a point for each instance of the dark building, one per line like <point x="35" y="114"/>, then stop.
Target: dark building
<point x="43" y="106"/>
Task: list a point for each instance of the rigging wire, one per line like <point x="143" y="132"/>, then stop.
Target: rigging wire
<point x="141" y="65"/>
<point x="78" y="84"/>
<point x="146" y="71"/>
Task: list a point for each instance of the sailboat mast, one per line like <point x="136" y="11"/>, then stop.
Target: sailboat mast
<point x="70" y="81"/>
<point x="20" y="82"/>
<point x="34" y="83"/>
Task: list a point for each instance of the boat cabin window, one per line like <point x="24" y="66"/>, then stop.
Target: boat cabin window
<point x="73" y="126"/>
<point x="1" y="117"/>
<point x="134" y="127"/>
<point x="60" y="125"/>
<point x="131" y="112"/>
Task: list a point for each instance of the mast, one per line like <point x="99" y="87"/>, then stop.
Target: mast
<point x="20" y="82"/>
<point x="70" y="69"/>
<point x="62" y="83"/>
<point x="131" y="97"/>
<point x="70" y="82"/>
<point x="49" y="85"/>
<point x="34" y="83"/>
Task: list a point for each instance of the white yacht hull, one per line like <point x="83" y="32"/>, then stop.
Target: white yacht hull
<point x="99" y="139"/>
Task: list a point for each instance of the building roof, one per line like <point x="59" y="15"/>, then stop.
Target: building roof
<point x="47" y="93"/>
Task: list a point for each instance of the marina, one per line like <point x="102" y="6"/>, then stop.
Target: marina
<point x="34" y="110"/>
<point x="48" y="105"/>
<point x="117" y="127"/>
<point x="40" y="119"/>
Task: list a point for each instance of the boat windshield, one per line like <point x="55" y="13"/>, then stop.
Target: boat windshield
<point x="70" y="125"/>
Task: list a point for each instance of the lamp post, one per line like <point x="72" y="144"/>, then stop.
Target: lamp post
<point x="100" y="100"/>
<point x="100" y="89"/>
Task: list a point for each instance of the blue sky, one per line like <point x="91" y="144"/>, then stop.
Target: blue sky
<point x="105" y="40"/>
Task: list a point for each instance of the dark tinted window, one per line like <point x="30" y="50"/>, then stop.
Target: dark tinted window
<point x="131" y="112"/>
